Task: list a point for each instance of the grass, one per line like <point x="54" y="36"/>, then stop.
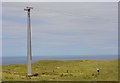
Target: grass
<point x="66" y="70"/>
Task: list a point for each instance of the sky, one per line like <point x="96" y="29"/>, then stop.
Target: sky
<point x="61" y="28"/>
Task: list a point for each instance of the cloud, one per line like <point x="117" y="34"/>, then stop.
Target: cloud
<point x="88" y="28"/>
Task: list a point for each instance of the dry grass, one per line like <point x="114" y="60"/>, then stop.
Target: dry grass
<point x="53" y="70"/>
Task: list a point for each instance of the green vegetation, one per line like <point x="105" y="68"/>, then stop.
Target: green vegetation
<point x="64" y="70"/>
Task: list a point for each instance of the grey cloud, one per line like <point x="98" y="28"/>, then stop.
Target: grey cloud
<point x="87" y="24"/>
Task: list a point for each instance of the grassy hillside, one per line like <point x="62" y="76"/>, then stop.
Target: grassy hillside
<point x="55" y="70"/>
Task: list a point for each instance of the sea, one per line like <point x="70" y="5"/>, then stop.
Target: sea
<point x="6" y="60"/>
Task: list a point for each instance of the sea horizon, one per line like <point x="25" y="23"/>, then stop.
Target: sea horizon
<point x="6" y="60"/>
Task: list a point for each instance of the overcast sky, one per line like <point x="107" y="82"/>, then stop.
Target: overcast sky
<point x="74" y="28"/>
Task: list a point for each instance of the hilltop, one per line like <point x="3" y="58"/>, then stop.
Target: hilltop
<point x="64" y="70"/>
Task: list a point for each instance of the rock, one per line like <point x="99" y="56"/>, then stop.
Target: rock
<point x="36" y="74"/>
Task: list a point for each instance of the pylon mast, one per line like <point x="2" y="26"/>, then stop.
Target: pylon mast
<point x="29" y="50"/>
